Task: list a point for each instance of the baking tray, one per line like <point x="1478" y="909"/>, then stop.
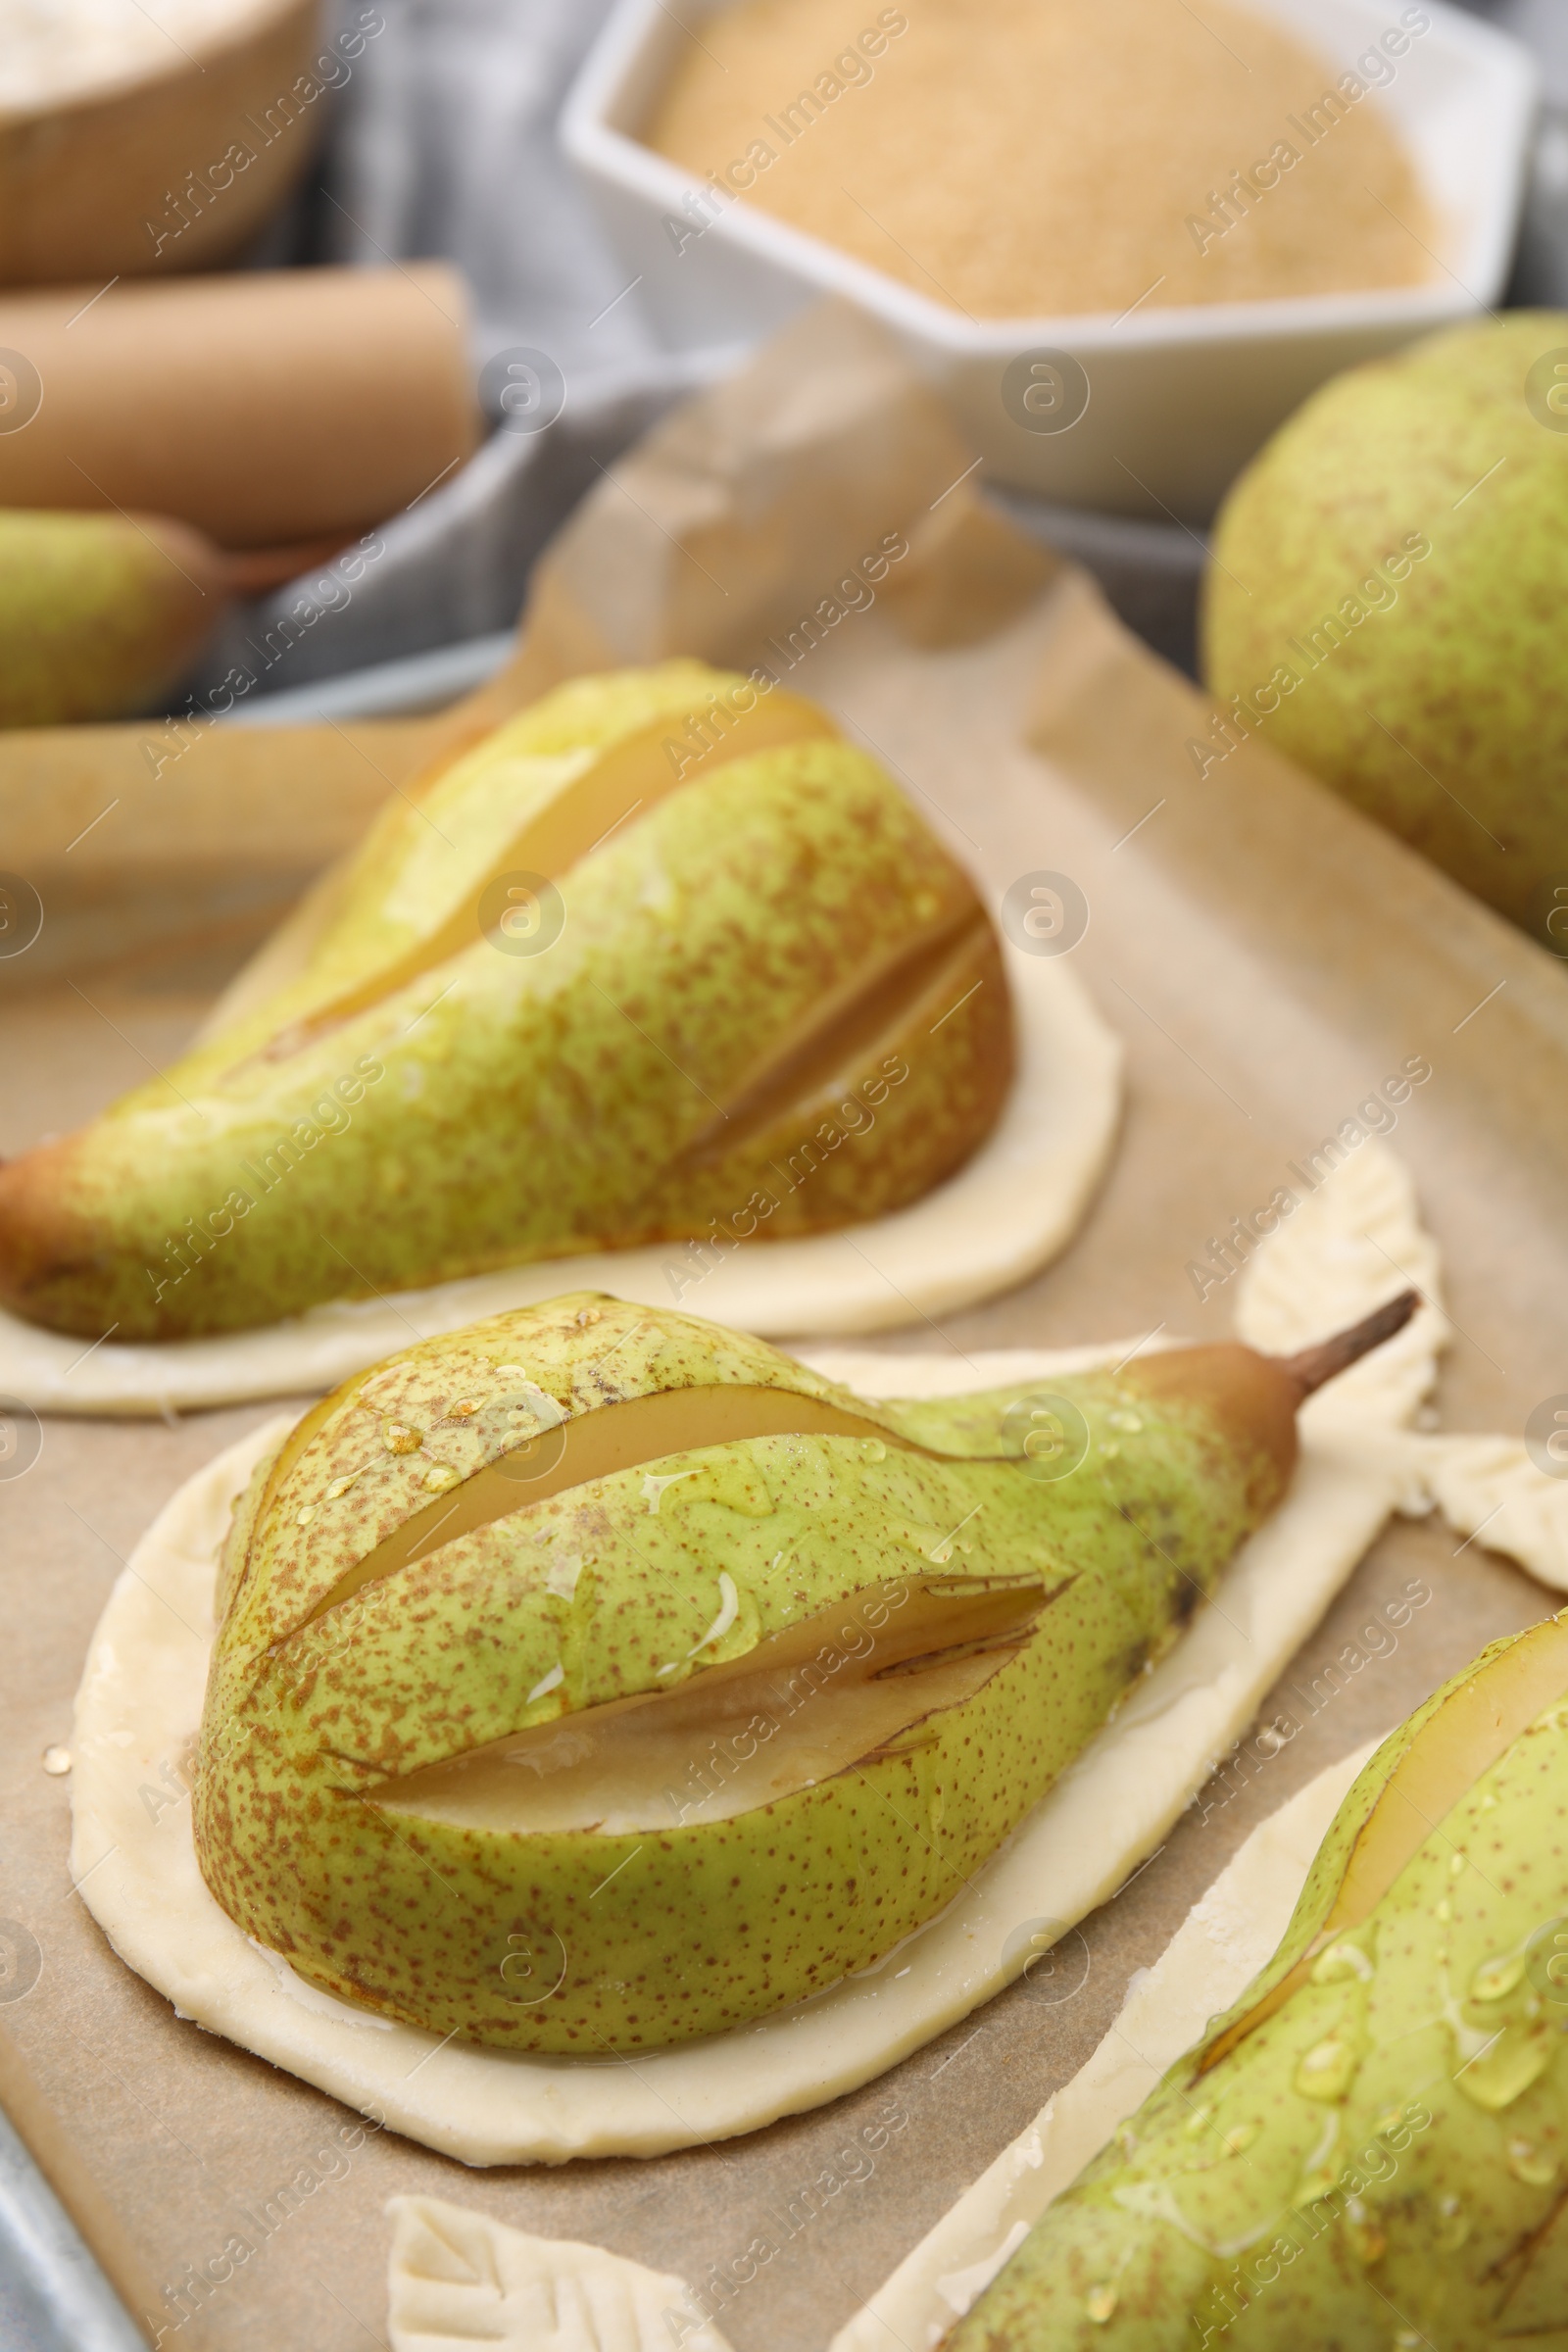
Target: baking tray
<point x="1268" y="957"/>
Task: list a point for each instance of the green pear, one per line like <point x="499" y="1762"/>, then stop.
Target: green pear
<point x="100" y="615"/>
<point x="663" y="956"/>
<point x="1371" y="2148"/>
<point x="599" y="1678"/>
<point x="1384" y="604"/>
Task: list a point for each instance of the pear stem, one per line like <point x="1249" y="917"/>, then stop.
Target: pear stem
<point x="1314" y="1365"/>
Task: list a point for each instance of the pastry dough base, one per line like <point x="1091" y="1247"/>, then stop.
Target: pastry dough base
<point x="133" y="1858"/>
<point x="1006" y="1214"/>
<point x="140" y="1704"/>
<point x="141" y="1696"/>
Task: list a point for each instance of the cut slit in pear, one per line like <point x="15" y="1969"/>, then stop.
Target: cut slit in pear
<point x="868" y="1011"/>
<point x="630" y="775"/>
<point x="1475" y="1726"/>
<point x="595" y="1444"/>
<point x="744" y="1735"/>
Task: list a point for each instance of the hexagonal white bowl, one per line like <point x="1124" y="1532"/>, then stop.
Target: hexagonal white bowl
<point x="1179" y="398"/>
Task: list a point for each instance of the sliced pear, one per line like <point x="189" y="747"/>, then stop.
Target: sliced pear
<point x="1372" y="2148"/>
<point x="1412" y="1783"/>
<point x="735" y="1685"/>
<point x="763" y="948"/>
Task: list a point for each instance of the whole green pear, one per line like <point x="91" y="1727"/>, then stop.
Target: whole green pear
<point x="99" y="614"/>
<point x="1370" y="2150"/>
<point x="663" y="956"/>
<point x="597" y="1677"/>
<point x="1385" y="597"/>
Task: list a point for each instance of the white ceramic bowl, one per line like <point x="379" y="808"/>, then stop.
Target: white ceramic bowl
<point x="1178" y="398"/>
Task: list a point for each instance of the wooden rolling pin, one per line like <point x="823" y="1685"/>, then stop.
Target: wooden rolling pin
<point x="264" y="407"/>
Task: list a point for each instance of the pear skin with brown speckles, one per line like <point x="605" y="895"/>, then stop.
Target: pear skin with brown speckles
<point x="661" y="959"/>
<point x="598" y="1679"/>
<point x="1385" y="604"/>
<point x="1370" y="2150"/>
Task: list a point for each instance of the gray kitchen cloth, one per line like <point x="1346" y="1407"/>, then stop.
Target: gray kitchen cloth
<point x="444" y="142"/>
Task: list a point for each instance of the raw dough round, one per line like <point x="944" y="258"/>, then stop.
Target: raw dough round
<point x="140" y="1704"/>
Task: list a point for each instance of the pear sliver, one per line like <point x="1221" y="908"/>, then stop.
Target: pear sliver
<point x="771" y="1723"/>
<point x="619" y="783"/>
<point x="641" y="1431"/>
<point x="425" y="857"/>
<point x="1442" y="1752"/>
<point x="844" y="1033"/>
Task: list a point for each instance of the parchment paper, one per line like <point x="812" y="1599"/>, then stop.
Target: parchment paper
<point x="1269" y="957"/>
